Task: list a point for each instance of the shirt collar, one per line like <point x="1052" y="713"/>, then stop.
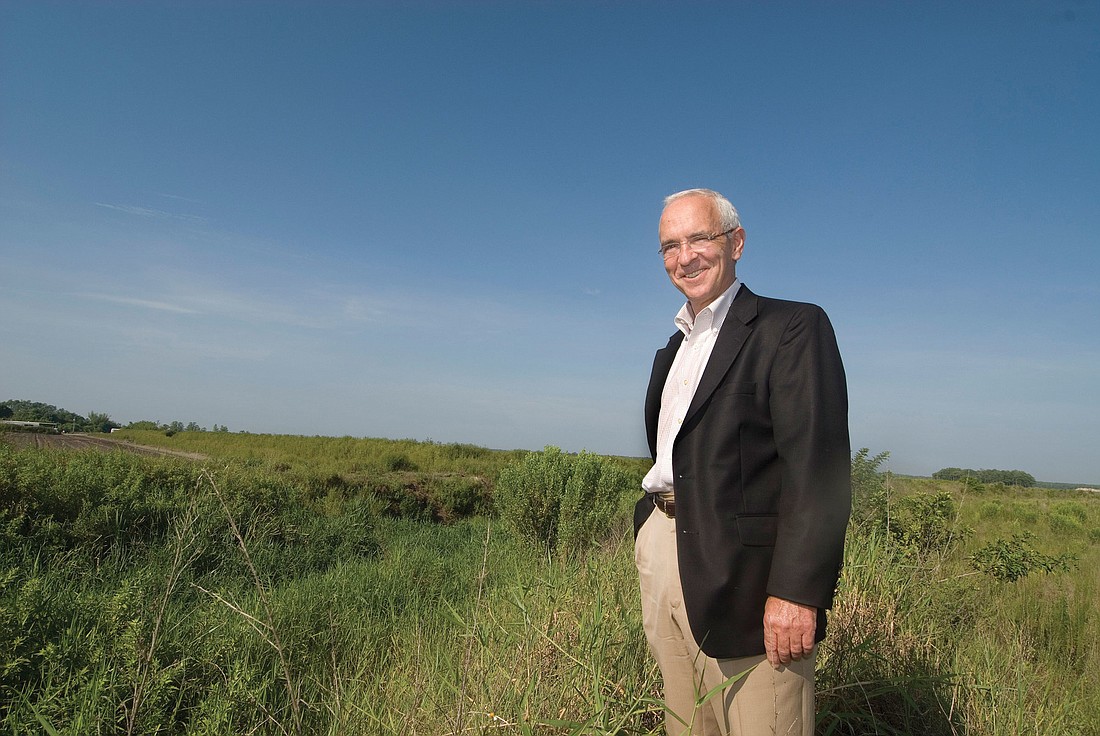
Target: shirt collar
<point x="685" y="318"/>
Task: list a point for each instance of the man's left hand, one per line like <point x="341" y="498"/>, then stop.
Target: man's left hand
<point x="788" y="630"/>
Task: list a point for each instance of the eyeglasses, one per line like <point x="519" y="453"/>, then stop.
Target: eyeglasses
<point x="696" y="244"/>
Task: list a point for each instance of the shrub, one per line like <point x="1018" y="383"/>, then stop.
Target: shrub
<point x="1072" y="509"/>
<point x="460" y="496"/>
<point x="973" y="485"/>
<point x="529" y="492"/>
<point x="564" y="502"/>
<point x="990" y="510"/>
<point x="588" y="505"/>
<point x="396" y="462"/>
<point x="1011" y="559"/>
<point x="926" y="523"/>
<point x="1063" y="524"/>
<point x="869" y="499"/>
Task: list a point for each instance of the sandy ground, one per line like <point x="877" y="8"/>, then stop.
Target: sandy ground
<point x="101" y="442"/>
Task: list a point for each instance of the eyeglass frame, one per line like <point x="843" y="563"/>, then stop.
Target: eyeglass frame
<point x="695" y="243"/>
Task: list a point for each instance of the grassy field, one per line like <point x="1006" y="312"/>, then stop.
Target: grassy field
<point x="291" y="585"/>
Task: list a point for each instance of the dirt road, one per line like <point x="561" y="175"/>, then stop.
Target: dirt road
<point x="101" y="442"/>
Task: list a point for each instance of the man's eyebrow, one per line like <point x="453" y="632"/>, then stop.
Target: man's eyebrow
<point x="693" y="236"/>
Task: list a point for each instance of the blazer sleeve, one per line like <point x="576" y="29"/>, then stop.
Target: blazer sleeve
<point x="809" y="407"/>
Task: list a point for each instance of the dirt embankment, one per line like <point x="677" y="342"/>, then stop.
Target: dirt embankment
<point x="76" y="441"/>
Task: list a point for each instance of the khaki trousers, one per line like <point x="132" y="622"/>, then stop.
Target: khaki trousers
<point x="763" y="701"/>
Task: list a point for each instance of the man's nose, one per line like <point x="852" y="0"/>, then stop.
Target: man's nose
<point x="686" y="255"/>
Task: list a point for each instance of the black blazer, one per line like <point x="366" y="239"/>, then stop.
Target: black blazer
<point x="762" y="471"/>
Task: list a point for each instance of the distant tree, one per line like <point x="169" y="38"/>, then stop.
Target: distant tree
<point x="193" y="427"/>
<point x="1008" y="477"/>
<point x="144" y="424"/>
<point x="5" y="411"/>
<point x="35" y="411"/>
<point x="99" y="422"/>
<point x="175" y="427"/>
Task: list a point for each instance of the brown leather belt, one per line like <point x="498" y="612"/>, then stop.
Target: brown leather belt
<point x="668" y="508"/>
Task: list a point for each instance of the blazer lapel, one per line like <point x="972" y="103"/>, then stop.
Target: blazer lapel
<point x="735" y="330"/>
<point x="662" y="364"/>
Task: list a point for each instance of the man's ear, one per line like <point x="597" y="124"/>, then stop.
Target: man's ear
<point x="737" y="238"/>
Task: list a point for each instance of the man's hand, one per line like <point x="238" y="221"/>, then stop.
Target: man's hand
<point x="788" y="630"/>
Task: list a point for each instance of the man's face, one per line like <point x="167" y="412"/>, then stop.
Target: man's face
<point x="702" y="273"/>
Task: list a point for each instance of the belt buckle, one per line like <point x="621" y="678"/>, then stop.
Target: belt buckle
<point x="668" y="508"/>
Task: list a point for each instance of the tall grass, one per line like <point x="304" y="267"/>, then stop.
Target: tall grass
<point x="142" y="596"/>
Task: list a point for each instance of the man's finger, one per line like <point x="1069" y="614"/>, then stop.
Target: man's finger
<point x="770" y="646"/>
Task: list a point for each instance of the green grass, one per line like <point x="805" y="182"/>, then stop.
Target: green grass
<point x="128" y="605"/>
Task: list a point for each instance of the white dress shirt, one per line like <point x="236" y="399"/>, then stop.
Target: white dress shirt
<point x="700" y="333"/>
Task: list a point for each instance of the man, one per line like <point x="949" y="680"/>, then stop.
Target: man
<point x="740" y="534"/>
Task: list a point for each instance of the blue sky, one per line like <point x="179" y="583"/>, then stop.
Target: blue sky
<point x="437" y="220"/>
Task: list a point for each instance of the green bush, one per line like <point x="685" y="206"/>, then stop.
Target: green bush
<point x="395" y="462"/>
<point x="1073" y="510"/>
<point x="589" y="502"/>
<point x="563" y="502"/>
<point x="990" y="510"/>
<point x="926" y="523"/>
<point x="460" y="496"/>
<point x="869" y="498"/>
<point x="529" y="492"/>
<point x="1009" y="560"/>
<point x="1064" y="524"/>
<point x="917" y="524"/>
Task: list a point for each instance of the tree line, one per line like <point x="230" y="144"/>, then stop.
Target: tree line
<point x="1008" y="477"/>
<point x="36" y="411"/>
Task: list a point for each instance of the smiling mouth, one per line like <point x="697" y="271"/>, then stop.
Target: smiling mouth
<point x="693" y="274"/>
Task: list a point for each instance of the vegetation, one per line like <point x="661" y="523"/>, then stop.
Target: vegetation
<point x="1007" y="477"/>
<point x="33" y="411"/>
<point x="172" y="428"/>
<point x="562" y="502"/>
<point x="292" y="585"/>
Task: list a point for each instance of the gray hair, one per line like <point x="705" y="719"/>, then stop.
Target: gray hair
<point x="727" y="213"/>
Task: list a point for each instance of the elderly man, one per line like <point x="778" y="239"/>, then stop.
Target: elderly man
<point x="740" y="534"/>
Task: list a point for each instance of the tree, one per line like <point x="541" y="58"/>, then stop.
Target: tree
<point x="5" y="411"/>
<point x="143" y="424"/>
<point x="1008" y="477"/>
<point x="36" y="411"/>
<point x="99" y="422"/>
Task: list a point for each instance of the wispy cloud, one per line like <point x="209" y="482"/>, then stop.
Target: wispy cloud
<point x="179" y="198"/>
<point x="143" y="303"/>
<point x="151" y="213"/>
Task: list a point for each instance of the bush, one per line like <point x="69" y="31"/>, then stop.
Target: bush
<point x="563" y="502"/>
<point x="926" y="523"/>
<point x="591" y="497"/>
<point x="460" y="496"/>
<point x="869" y="498"/>
<point x="915" y="525"/>
<point x="1011" y="559"/>
<point x="396" y="462"/>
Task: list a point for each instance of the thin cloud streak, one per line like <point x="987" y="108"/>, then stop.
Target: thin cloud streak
<point x="143" y="303"/>
<point x="147" y="212"/>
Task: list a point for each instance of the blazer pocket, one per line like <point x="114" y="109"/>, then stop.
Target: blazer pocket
<point x="757" y="530"/>
<point x="736" y="388"/>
